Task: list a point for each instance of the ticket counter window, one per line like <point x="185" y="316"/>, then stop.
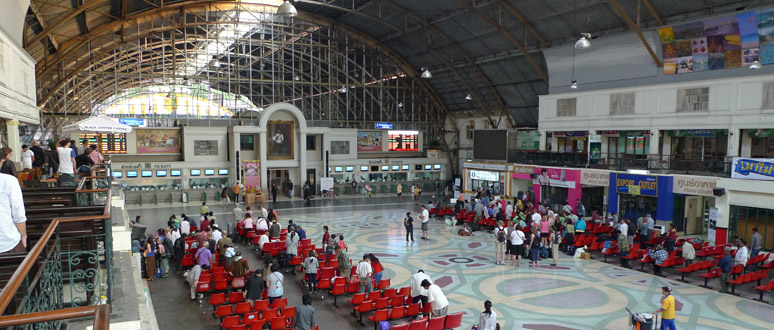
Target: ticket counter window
<point x="497" y="187"/>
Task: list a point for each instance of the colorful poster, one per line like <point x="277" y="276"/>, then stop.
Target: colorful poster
<point x="252" y="175"/>
<point x="700" y="62"/>
<point x="632" y="184"/>
<point x="557" y="177"/>
<point x="766" y="36"/>
<point x="666" y="34"/>
<point x="699" y="46"/>
<point x="369" y="141"/>
<point x="158" y="141"/>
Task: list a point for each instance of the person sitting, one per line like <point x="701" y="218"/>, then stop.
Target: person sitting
<point x="659" y="255"/>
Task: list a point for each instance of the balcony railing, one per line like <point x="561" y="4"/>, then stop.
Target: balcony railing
<point x="68" y="272"/>
<point x="712" y="166"/>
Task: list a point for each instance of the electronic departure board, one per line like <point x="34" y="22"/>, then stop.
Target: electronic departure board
<point x="107" y="143"/>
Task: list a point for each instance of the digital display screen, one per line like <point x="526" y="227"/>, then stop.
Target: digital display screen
<point x="196" y="172"/>
<point x="146" y="174"/>
<point x="418" y="167"/>
<point x="349" y="169"/>
<point x="339" y="169"/>
<point x="175" y="173"/>
<point x="161" y="173"/>
<point x="374" y="168"/>
<point x="403" y="140"/>
<point x="437" y="166"/>
<point x="396" y="167"/>
<point x="404" y="167"/>
<point x="131" y="174"/>
<point x="385" y="167"/>
<point x="428" y="167"/>
<point x="209" y="171"/>
<point x="223" y="171"/>
<point x="118" y="174"/>
<point x="363" y="168"/>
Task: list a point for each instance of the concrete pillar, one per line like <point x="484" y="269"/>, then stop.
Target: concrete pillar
<point x="264" y="174"/>
<point x="298" y="187"/>
<point x="655" y="142"/>
<point x="543" y="142"/>
<point x="14" y="141"/>
<point x="237" y="165"/>
<point x="554" y="142"/>
<point x="733" y="142"/>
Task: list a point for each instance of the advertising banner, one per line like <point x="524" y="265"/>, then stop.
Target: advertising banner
<point x="252" y="174"/>
<point x="694" y="185"/>
<point x="631" y="184"/>
<point x="753" y="168"/>
<point x="326" y="183"/>
<point x="557" y="177"/>
<point x="527" y="140"/>
<point x="369" y="141"/>
<point x="158" y="141"/>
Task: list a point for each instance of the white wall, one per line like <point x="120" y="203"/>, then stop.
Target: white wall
<point x="191" y="134"/>
<point x="17" y="76"/>
<point x="733" y="103"/>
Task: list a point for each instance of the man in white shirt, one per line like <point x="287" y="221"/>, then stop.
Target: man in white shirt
<point x="425" y="217"/>
<point x="13" y="227"/>
<point x="27" y="157"/>
<point x="66" y="164"/>
<point x="509" y="211"/>
<point x="185" y="226"/>
<point x="263" y="240"/>
<point x="238" y="213"/>
<point x="437" y="300"/>
<point x="262" y="224"/>
<point x="741" y="255"/>
<point x="217" y="234"/>
<point x="418" y="293"/>
<point x="536" y="217"/>
<point x="365" y="272"/>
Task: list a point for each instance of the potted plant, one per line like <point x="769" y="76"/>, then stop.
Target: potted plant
<point x="434" y="144"/>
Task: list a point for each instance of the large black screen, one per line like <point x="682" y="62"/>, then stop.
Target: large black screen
<point x="490" y="144"/>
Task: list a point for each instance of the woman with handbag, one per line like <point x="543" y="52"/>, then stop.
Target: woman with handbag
<point x="517" y="244"/>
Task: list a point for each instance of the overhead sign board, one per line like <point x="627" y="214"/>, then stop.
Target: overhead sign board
<point x="134" y="122"/>
<point x="384" y="125"/>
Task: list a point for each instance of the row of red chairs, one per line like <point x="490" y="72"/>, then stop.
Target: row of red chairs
<point x="341" y="287"/>
<point x="709" y="251"/>
<point x="442" y="211"/>
<point x="749" y="277"/>
<point x="255" y="320"/>
<point x="757" y="259"/>
<point x="450" y="321"/>
<point x="237" y="300"/>
<point x="715" y="272"/>
<point x="704" y="265"/>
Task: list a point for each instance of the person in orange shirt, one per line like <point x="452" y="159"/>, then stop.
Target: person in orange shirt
<point x="236" y="192"/>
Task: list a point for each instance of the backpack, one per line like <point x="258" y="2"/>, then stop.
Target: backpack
<point x="405" y="222"/>
<point x="501" y="235"/>
<point x="384" y="325"/>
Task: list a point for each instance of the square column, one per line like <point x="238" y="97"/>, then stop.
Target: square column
<point x="733" y="142"/>
<point x="264" y="174"/>
<point x="299" y="185"/>
<point x="14" y="141"/>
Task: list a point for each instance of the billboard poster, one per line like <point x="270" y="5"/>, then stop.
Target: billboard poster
<point x="158" y="141"/>
<point x="252" y="175"/>
<point x="369" y="141"/>
<point x="753" y="168"/>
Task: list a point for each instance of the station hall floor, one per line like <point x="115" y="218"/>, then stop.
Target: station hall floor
<point x="577" y="294"/>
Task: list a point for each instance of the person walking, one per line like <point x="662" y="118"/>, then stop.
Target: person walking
<point x="517" y="244"/>
<point x="276" y="283"/>
<point x="501" y="235"/>
<point x="408" y="222"/>
<point x="304" y="319"/>
<point x="399" y="189"/>
<point x="726" y="263"/>
<point x="255" y="286"/>
<point x="290" y="188"/>
<point x="623" y="249"/>
<point x="425" y="218"/>
<point x="667" y="309"/>
<point x="274" y="192"/>
<point x="488" y="318"/>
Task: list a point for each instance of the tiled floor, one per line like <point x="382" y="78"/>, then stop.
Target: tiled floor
<point x="574" y="295"/>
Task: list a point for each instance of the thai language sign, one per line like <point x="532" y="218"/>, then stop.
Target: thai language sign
<point x="753" y="168"/>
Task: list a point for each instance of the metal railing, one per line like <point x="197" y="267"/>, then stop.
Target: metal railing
<point x="69" y="270"/>
<point x="675" y="164"/>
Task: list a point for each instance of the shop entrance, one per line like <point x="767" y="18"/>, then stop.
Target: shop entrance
<point x="280" y="178"/>
<point x="678" y="214"/>
<point x="635" y="206"/>
<point x="593" y="198"/>
<point x="555" y="196"/>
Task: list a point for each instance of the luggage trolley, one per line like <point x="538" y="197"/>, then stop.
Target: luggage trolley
<point x="642" y="321"/>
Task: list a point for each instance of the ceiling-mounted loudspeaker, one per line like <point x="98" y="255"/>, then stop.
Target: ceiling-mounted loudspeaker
<point x="718" y="192"/>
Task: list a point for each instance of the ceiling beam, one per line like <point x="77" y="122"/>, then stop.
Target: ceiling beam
<point x="523" y="21"/>
<point x="637" y="31"/>
<point x="77" y="11"/>
<point x="653" y="12"/>
<point x="42" y="21"/>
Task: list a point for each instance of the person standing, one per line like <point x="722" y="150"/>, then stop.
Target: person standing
<point x="437" y="186"/>
<point x="726" y="263"/>
<point x="418" y="292"/>
<point x="630" y="230"/>
<point x="39" y="158"/>
<point x="377" y="267"/>
<point x="643" y="229"/>
<point x="399" y="189"/>
<point x="741" y="254"/>
<point x="488" y="319"/>
<point x="671" y="238"/>
<point x="689" y="253"/>
<point x="150" y="258"/>
<point x="425" y="218"/>
<point x="667" y="309"/>
<point x="408" y="222"/>
<point x="13" y="217"/>
<point x="651" y="224"/>
<point x="534" y="247"/>
<point x="326" y="238"/>
<point x="345" y="265"/>
<point x="517" y="244"/>
<point x="7" y="166"/>
<point x="255" y="286"/>
<point x="755" y="242"/>
<point x="311" y="264"/>
<point x="203" y="255"/>
<point x="95" y="156"/>
<point x="204" y="210"/>
<point x="237" y="191"/>
<point x="291" y="248"/>
<point x="555" y="239"/>
<point x="437" y="300"/>
<point x="307" y="193"/>
<point x="365" y="274"/>
<point x="304" y="319"/>
<point x="623" y="249"/>
<point x="354" y="187"/>
<point x="27" y="157"/>
<point x="501" y="236"/>
<point x="276" y="284"/>
<point x="290" y="188"/>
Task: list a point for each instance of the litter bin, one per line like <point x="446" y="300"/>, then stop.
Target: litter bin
<point x="185" y="197"/>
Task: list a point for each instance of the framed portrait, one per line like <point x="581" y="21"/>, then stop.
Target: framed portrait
<point x="279" y="142"/>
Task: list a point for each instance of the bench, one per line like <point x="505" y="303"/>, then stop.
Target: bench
<point x="764" y="288"/>
<point x="748" y="278"/>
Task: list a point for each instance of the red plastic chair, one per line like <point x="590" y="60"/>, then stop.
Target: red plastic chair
<point x="279" y="303"/>
<point x="353" y="287"/>
<point x="238" y="283"/>
<point x="390" y="292"/>
<point x="379" y="315"/>
<point x="436" y="323"/>
<point x="357" y="299"/>
<point x="405" y="291"/>
<point x="239" y="327"/>
<point x="269" y="314"/>
<point x="202" y="287"/>
<point x="420" y="324"/>
<point x="188" y="261"/>
<point x="236" y="297"/>
<point x="220" y="285"/>
<point x="364" y="307"/>
<point x="382" y="303"/>
<point x="397" y="301"/>
<point x="374" y="295"/>
<point x="383" y="284"/>
<point x="400" y="327"/>
<point x="243" y="308"/>
<point x="453" y="320"/>
<point x="290" y="314"/>
<point x="261" y="305"/>
<point x="397" y="313"/>
<point x="413" y="310"/>
<point x="217" y="299"/>
<point x="278" y="323"/>
<point x="338" y="290"/>
<point x="223" y="311"/>
<point x="230" y="322"/>
<point x="250" y="318"/>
